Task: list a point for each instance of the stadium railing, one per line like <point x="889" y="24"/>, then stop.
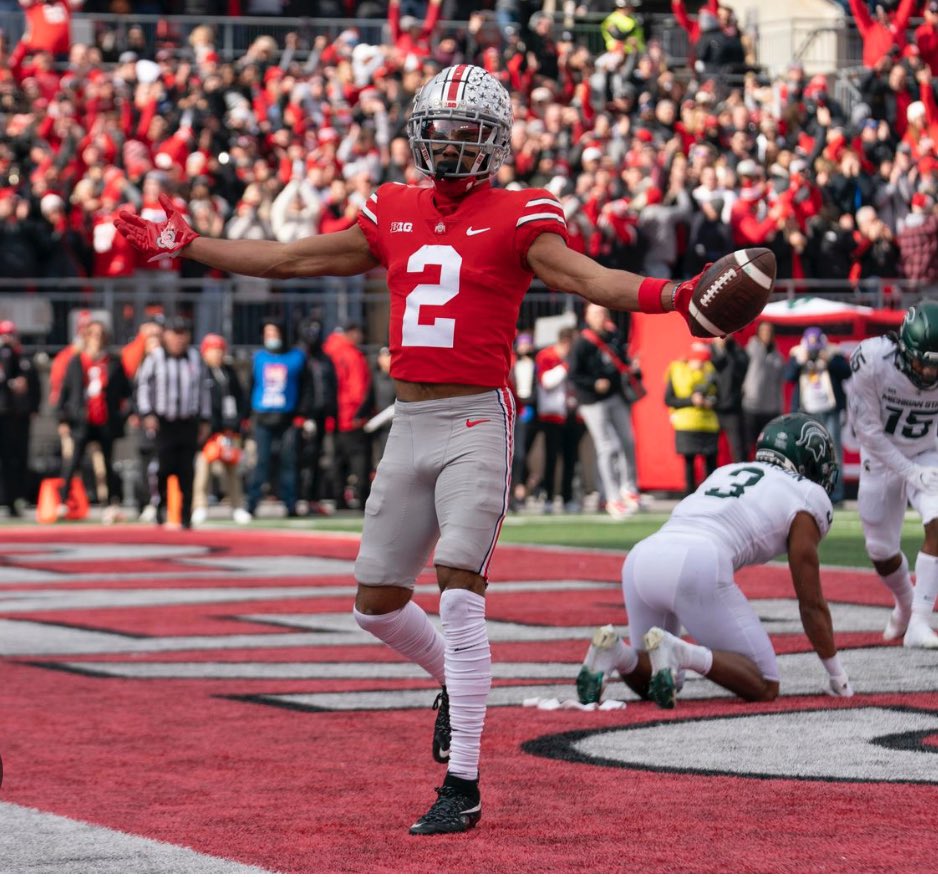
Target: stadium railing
<point x="46" y="310"/>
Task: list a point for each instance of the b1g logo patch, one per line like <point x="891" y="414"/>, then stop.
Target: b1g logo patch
<point x="401" y="226"/>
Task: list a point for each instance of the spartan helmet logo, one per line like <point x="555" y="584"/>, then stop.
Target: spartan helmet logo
<point x="813" y="441"/>
<point x="167" y="239"/>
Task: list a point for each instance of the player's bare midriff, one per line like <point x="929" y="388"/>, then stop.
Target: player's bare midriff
<point x="412" y="391"/>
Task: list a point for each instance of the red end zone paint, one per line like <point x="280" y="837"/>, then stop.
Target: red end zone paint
<point x="335" y="791"/>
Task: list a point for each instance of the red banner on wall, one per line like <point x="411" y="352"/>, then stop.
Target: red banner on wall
<point x="658" y="340"/>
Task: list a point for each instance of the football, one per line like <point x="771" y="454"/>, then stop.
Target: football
<point x="732" y="292"/>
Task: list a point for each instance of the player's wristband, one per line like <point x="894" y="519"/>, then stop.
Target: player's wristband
<point x="833" y="666"/>
<point x="649" y="295"/>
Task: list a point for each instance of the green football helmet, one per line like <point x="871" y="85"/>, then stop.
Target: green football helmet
<point x="800" y="444"/>
<point x="918" y="344"/>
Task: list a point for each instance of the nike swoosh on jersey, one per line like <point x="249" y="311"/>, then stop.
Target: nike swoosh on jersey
<point x="472" y="423"/>
<point x="472" y="231"/>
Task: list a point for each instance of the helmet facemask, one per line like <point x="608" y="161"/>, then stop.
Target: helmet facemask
<point x="460" y="125"/>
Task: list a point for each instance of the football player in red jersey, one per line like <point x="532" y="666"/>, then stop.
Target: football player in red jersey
<point x="460" y="256"/>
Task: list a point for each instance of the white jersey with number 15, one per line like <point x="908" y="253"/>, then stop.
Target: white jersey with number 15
<point x="892" y="418"/>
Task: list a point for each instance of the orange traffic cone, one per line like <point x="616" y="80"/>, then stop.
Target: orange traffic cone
<point x="50" y="498"/>
<point x="173" y="503"/>
<point x="77" y="501"/>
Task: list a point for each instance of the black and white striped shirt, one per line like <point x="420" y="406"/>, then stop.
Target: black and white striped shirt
<point x="171" y="387"/>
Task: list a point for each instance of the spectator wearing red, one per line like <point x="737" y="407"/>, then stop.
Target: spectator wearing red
<point x="48" y="25"/>
<point x="691" y="23"/>
<point x="113" y="255"/>
<point x="881" y="33"/>
<point x="409" y="36"/>
<point x="921" y="135"/>
<point x="149" y="336"/>
<point x="556" y="405"/>
<point x="926" y="36"/>
<point x="802" y="199"/>
<point x="750" y="223"/>
<point x="352" y="450"/>
<point x="918" y="242"/>
<point x="91" y="408"/>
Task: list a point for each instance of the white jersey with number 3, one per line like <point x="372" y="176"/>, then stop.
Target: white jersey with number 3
<point x="892" y="418"/>
<point x="748" y="508"/>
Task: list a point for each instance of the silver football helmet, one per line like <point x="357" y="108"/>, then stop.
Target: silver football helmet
<point x="467" y="108"/>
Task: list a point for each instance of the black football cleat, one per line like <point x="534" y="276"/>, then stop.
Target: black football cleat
<point x="456" y="809"/>
<point x="441" y="730"/>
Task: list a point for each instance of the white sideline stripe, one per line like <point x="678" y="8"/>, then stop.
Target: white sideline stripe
<point x="369" y="214"/>
<point x="114" y="598"/>
<point x="278" y="670"/>
<point x="700" y="318"/>
<point x="34" y="842"/>
<point x="753" y="270"/>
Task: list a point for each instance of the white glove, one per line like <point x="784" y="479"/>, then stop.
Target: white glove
<point x="925" y="479"/>
<point x="839" y="686"/>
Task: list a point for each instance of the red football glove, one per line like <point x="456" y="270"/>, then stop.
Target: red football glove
<point x="156" y="240"/>
<point x="681" y="297"/>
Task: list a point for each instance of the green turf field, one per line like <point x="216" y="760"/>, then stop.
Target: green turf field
<point x="843" y="545"/>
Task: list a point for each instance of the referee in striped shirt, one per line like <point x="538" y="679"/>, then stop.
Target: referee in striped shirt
<point x="171" y="402"/>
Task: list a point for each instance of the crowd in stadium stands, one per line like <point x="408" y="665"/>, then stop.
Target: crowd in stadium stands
<point x="660" y="169"/>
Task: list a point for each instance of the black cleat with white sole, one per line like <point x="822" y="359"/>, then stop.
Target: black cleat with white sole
<point x="458" y="808"/>
<point x="442" y="735"/>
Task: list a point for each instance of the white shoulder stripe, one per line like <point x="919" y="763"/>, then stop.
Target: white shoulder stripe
<point x="369" y="214"/>
<point x="535" y="216"/>
<point x="374" y="197"/>
<point x="549" y="201"/>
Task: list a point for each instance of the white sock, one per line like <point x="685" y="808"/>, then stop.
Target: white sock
<point x="468" y="676"/>
<point x="626" y="658"/>
<point x="926" y="586"/>
<point x="697" y="658"/>
<point x="900" y="583"/>
<point x="409" y="632"/>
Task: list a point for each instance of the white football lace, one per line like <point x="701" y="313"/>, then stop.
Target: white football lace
<point x="716" y="286"/>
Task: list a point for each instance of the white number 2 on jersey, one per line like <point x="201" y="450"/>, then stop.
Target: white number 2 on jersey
<point x="442" y="331"/>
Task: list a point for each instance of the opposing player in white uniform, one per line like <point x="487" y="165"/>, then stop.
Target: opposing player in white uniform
<point x="743" y="514"/>
<point x="893" y="408"/>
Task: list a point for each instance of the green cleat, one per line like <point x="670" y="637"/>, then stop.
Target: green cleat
<point x="667" y="676"/>
<point x="589" y="685"/>
<point x="661" y="689"/>
<point x="599" y="660"/>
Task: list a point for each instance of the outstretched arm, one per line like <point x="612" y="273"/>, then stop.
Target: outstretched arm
<point x="337" y="255"/>
<point x="329" y="255"/>
<point x="561" y="268"/>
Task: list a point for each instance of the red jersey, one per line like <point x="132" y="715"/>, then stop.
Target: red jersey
<point x="95" y="371"/>
<point x="456" y="280"/>
<point x="552" y="370"/>
<point x="48" y="25"/>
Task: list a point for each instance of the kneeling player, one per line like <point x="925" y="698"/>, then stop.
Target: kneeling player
<point x="683" y="575"/>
